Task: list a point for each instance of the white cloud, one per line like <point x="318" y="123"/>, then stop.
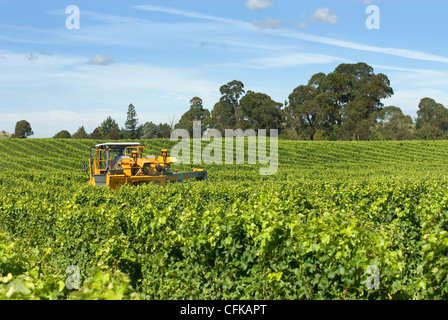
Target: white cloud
<point x="99" y="59"/>
<point x="324" y="15"/>
<point x="268" y="23"/>
<point x="258" y="4"/>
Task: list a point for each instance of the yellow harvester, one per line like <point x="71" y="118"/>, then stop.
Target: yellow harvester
<point x="114" y="164"/>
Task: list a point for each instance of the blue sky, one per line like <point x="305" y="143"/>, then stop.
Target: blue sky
<point x="158" y="54"/>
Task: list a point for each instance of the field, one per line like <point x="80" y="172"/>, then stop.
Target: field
<point x="339" y="220"/>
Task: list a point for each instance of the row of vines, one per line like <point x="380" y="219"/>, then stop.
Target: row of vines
<point x="312" y="231"/>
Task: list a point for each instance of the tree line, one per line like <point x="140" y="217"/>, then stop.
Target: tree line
<point x="345" y="104"/>
<point x="110" y="130"/>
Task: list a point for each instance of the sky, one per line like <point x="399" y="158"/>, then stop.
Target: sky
<point x="66" y="64"/>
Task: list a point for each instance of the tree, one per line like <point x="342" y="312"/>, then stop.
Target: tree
<point x="337" y="90"/>
<point x="220" y="116"/>
<point x="259" y="111"/>
<point x="150" y="131"/>
<point x="80" y="134"/>
<point x="394" y="125"/>
<point x="63" y="134"/>
<point x="225" y="113"/>
<point x="109" y="125"/>
<point x="289" y="134"/>
<point x="139" y="131"/>
<point x="96" y="134"/>
<point x="308" y="107"/>
<point x="432" y="120"/>
<point x="164" y="130"/>
<point x="428" y="132"/>
<point x="131" y="124"/>
<point x="344" y="103"/>
<point x="195" y="113"/>
<point x="23" y="130"/>
<point x="361" y="99"/>
<point x="114" y="134"/>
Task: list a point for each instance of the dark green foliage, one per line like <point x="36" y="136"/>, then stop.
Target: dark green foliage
<point x="109" y="129"/>
<point x="153" y="131"/>
<point x="80" y="134"/>
<point x="196" y="113"/>
<point x="63" y="134"/>
<point x="346" y="101"/>
<point x="432" y="120"/>
<point x="22" y="130"/>
<point x="96" y="134"/>
<point x="259" y="111"/>
<point x="225" y="113"/>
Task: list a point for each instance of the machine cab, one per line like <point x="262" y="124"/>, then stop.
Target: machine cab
<point x="106" y="156"/>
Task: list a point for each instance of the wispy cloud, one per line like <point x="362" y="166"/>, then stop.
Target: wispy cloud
<point x="404" y="53"/>
<point x="287" y="60"/>
<point x="416" y="78"/>
<point x="192" y="14"/>
<point x="399" y="52"/>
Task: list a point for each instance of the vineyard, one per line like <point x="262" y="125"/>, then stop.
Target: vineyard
<point x="311" y="231"/>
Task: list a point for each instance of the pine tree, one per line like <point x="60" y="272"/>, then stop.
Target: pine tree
<point x="131" y="124"/>
<point x="80" y="134"/>
<point x="96" y="134"/>
<point x="107" y="126"/>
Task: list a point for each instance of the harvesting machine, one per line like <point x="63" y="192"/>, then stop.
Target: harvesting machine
<point x="115" y="164"/>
